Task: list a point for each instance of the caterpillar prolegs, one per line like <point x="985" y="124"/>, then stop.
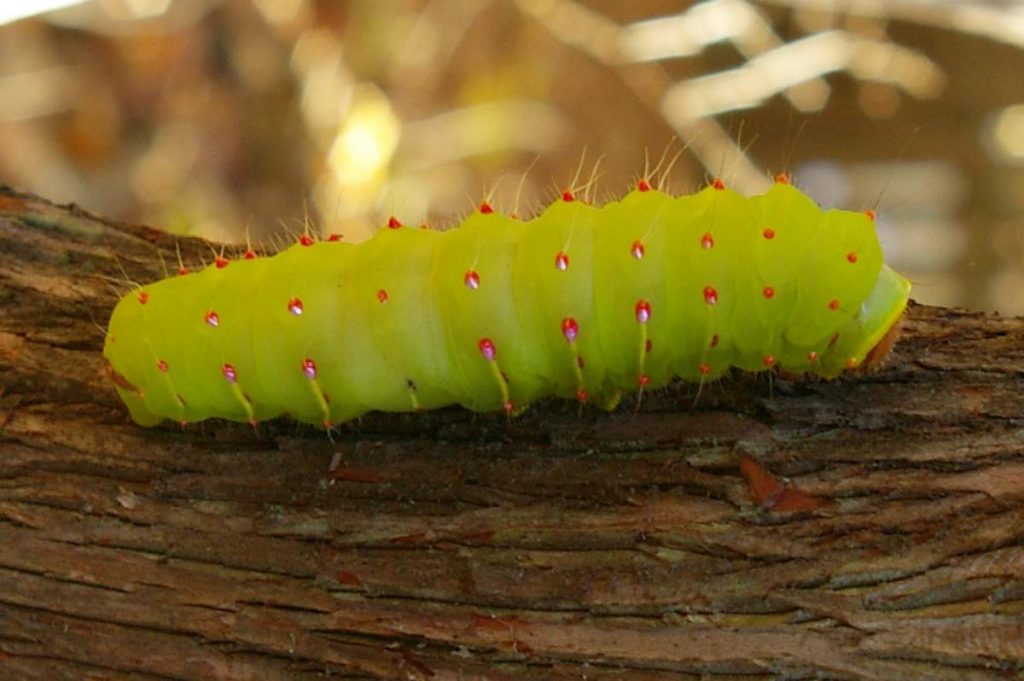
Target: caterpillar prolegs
<point x="581" y="302"/>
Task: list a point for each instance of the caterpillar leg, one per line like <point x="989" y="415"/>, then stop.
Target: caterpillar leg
<point x="606" y="400"/>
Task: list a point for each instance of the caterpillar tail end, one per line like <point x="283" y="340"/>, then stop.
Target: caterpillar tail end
<point x="881" y="317"/>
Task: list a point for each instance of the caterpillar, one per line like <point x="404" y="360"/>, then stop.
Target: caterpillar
<point x="580" y="302"/>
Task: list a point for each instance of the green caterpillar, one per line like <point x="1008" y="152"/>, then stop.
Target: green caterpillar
<point x="581" y="302"/>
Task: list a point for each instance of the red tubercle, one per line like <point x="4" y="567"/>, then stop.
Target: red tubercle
<point x="295" y="306"/>
<point x="718" y="184"/>
<point x="643" y="185"/>
<point x="335" y="236"/>
<point x="581" y="396"/>
<point x="143" y="297"/>
<point x="812" y="356"/>
<point x="568" y="196"/>
<point x="768" y="233"/>
<point x="508" y="406"/>
<point x="561" y="261"/>
<point x="852" y="363"/>
<point x="642" y="311"/>
<point x="707" y="242"/>
<point x="487" y="349"/>
<point x="162" y="366"/>
<point x="382" y="296"/>
<point x="704" y="368"/>
<point x="782" y="178"/>
<point x="221" y="262"/>
<point x="833" y="304"/>
<point x="471" y="279"/>
<point x="637" y="250"/>
<point x="393" y="223"/>
<point x="182" y="271"/>
<point x="768" y="292"/>
<point x="309" y="368"/>
<point x="212" y="318"/>
<point x="872" y="215"/>
<point x="486" y="208"/>
<point x="768" y="360"/>
<point x="642" y="380"/>
<point x="306" y="240"/>
<point x="249" y="254"/>
<point x="570" y="329"/>
<point x="710" y="295"/>
<point x="851" y="257"/>
<point x="229" y="373"/>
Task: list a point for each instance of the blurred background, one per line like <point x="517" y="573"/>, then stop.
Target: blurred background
<point x="227" y="117"/>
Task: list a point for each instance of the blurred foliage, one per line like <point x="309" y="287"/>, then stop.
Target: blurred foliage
<point x="236" y="118"/>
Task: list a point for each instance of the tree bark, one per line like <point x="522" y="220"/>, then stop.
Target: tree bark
<point x="867" y="528"/>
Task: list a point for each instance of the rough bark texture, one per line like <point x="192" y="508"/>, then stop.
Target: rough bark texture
<point x="559" y="544"/>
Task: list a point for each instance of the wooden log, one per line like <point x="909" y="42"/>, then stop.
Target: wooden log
<point x="869" y="528"/>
